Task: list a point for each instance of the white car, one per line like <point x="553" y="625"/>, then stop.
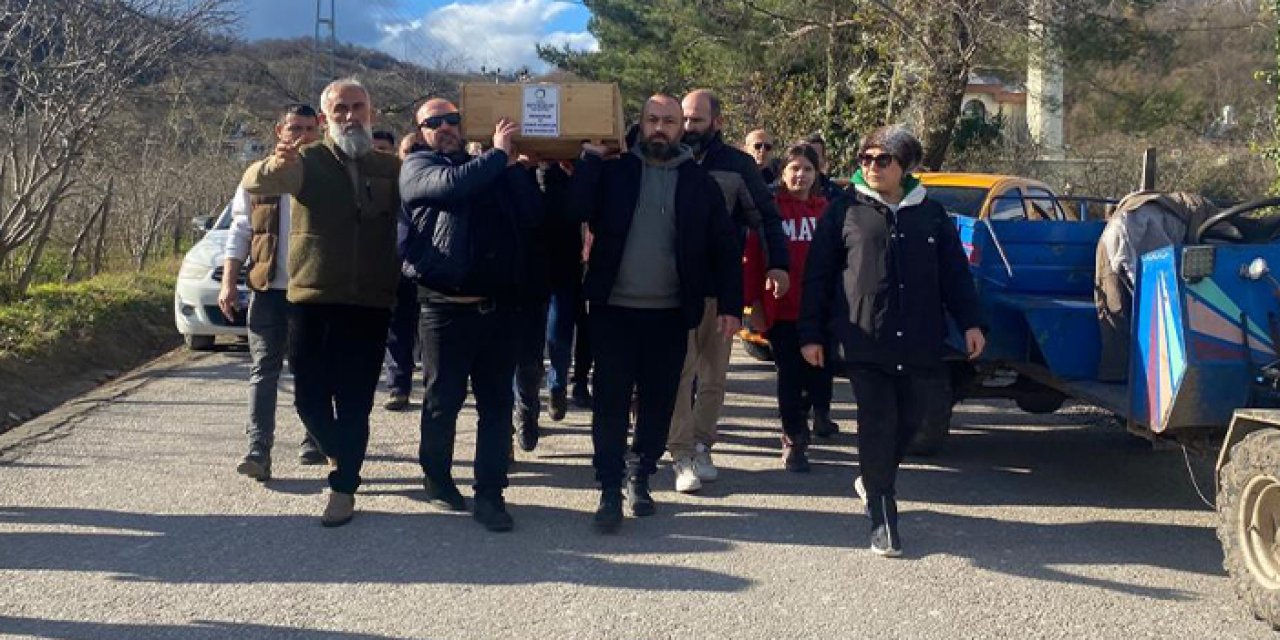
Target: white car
<point x="195" y="298"/>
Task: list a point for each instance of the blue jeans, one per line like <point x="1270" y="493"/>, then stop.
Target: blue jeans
<point x="531" y="331"/>
<point x="400" y="338"/>
<point x="568" y="339"/>
<point x="562" y="317"/>
<point x="268" y="341"/>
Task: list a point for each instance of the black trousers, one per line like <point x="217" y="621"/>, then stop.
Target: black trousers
<point x="801" y="386"/>
<point x="582" y="351"/>
<point x="531" y="341"/>
<point x="462" y="342"/>
<point x="891" y="409"/>
<point x="640" y="351"/>
<point x="336" y="352"/>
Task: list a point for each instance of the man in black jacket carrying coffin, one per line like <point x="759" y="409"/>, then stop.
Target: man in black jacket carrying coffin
<point x="663" y="244"/>
<point x="467" y="220"/>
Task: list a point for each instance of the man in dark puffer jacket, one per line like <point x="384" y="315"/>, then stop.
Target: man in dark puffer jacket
<point x="468" y="219"/>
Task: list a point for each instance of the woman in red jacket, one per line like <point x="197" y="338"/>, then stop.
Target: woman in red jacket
<point x="801" y="386"/>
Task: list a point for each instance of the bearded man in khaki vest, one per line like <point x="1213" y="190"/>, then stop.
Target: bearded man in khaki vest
<point x="343" y="270"/>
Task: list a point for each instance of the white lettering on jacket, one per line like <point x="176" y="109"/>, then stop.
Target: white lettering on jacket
<point x="805" y="231"/>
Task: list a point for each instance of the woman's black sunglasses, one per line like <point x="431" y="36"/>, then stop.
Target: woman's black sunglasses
<point x="434" y="122"/>
<point x="881" y="161"/>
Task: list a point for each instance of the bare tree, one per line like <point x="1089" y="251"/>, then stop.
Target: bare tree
<point x="65" y="66"/>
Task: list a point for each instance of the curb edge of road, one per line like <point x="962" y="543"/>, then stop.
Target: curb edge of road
<point x="55" y="423"/>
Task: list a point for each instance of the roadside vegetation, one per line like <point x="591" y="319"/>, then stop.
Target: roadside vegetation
<point x="56" y="317"/>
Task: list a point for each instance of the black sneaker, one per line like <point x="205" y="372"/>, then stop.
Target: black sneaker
<point x="396" y="402"/>
<point x="256" y="464"/>
<point x="491" y="511"/>
<point x="311" y="454"/>
<point x="582" y="396"/>
<point x="444" y="495"/>
<point x="527" y="431"/>
<point x="823" y="425"/>
<point x="609" y="514"/>
<point x="559" y="405"/>
<point x="638" y="496"/>
<point x="794" y="459"/>
<point x="885" y="541"/>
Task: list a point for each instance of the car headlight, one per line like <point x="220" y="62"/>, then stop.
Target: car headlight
<point x="193" y="271"/>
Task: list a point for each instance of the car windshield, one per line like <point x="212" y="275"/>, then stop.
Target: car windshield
<point x="965" y="201"/>
<point x="224" y="220"/>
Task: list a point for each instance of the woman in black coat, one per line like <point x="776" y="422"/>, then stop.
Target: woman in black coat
<point x="885" y="269"/>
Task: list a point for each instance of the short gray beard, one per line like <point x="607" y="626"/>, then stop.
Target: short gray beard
<point x="356" y="142"/>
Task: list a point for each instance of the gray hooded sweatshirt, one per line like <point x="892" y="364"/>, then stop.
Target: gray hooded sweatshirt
<point x="647" y="277"/>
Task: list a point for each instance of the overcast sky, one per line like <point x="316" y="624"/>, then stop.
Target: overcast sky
<point x="469" y="33"/>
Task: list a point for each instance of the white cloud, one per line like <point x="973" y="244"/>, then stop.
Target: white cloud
<point x="493" y="33"/>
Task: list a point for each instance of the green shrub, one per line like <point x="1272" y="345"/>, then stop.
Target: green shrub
<point x="54" y="316"/>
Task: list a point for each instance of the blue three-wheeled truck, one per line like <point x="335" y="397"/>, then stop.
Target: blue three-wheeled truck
<point x="1202" y="339"/>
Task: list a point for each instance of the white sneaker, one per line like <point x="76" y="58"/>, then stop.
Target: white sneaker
<point x="686" y="479"/>
<point x="702" y="464"/>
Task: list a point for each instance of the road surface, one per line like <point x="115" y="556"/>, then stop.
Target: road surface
<point x="121" y="516"/>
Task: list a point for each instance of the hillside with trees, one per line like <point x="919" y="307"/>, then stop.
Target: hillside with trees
<point x="1138" y="73"/>
<point x="91" y="159"/>
<point x="126" y="118"/>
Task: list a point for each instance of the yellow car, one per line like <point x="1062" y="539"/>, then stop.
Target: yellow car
<point x="993" y="196"/>
<point x="976" y="195"/>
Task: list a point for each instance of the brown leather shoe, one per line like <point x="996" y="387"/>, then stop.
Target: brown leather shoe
<point x="341" y="507"/>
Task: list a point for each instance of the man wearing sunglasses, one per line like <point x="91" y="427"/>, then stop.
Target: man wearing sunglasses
<point x="467" y="221"/>
<point x="751" y="206"/>
<point x="760" y="145"/>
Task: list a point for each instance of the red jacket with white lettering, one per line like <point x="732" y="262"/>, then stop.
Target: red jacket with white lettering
<point x="799" y="219"/>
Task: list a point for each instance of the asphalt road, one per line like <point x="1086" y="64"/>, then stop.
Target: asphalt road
<point x="121" y="516"/>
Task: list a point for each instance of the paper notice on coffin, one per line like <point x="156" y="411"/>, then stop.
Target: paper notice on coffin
<point x="541" y="111"/>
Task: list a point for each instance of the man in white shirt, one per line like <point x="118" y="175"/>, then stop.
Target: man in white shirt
<point x="260" y="235"/>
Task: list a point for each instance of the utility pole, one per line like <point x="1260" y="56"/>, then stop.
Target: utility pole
<point x="1044" y="82"/>
<point x="327" y="46"/>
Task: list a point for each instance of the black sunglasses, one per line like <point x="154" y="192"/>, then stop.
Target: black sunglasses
<point x="881" y="161"/>
<point x="762" y="145"/>
<point x="434" y="122"/>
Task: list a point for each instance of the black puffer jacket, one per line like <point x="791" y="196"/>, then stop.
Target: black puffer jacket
<point x="747" y="198"/>
<point x="468" y="222"/>
<point x="878" y="285"/>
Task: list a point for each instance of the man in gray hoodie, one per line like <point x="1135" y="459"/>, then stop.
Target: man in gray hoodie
<point x="663" y="244"/>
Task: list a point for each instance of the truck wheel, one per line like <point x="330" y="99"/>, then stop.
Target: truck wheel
<point x="1249" y="522"/>
<point x="933" y="433"/>
<point x="198" y="343"/>
<point x="1037" y="398"/>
